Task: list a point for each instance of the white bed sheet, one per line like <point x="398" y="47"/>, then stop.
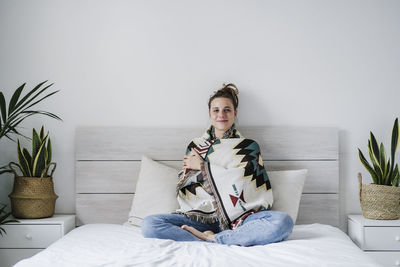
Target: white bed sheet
<point x="117" y="245"/>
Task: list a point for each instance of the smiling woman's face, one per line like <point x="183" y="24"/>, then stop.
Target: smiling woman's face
<point x="222" y="115"/>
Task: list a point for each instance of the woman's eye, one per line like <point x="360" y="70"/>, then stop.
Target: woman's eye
<point x="215" y="110"/>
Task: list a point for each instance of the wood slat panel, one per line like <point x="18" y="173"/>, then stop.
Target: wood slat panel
<point x="102" y="208"/>
<point x="106" y="176"/>
<point x="276" y="142"/>
<point x="114" y="208"/>
<point x="130" y="143"/>
<point x="121" y="176"/>
<point x="319" y="208"/>
<point x="322" y="176"/>
<point x="295" y="143"/>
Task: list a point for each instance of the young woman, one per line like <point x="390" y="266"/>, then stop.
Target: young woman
<point x="223" y="190"/>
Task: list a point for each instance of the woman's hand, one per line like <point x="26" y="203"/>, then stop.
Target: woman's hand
<point x="192" y="161"/>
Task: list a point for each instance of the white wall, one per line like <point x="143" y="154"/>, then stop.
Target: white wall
<point x="155" y="63"/>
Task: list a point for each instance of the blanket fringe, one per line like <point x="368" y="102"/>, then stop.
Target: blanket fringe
<point x="203" y="218"/>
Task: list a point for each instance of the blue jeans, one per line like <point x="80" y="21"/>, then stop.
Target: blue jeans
<point x="259" y="228"/>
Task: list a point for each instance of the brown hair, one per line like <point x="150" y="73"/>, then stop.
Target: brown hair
<point x="228" y="91"/>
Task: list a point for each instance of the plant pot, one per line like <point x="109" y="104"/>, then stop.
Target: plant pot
<point x="33" y="197"/>
<point x="379" y="202"/>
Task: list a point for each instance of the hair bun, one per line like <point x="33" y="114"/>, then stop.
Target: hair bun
<point x="231" y="87"/>
<point x="229" y="91"/>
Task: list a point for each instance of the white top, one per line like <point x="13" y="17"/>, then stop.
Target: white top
<point x="369" y="222"/>
<point x="55" y="219"/>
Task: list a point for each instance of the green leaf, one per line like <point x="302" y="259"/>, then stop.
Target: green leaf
<point x="4" y="217"/>
<point x="19" y="109"/>
<point x="388" y="175"/>
<point x="14" y="98"/>
<point x="28" y="158"/>
<point x="8" y="128"/>
<point x="375" y="163"/>
<point x="25" y="106"/>
<point x="382" y="157"/>
<point x="374" y="146"/>
<point x="3" y="107"/>
<point x="36" y="143"/>
<point x="30" y="113"/>
<point x="41" y="133"/>
<point x="43" y="113"/>
<point x="382" y="162"/>
<point x="8" y="221"/>
<point x="22" y="101"/>
<point x="396" y="176"/>
<point x="40" y="100"/>
<point x="12" y="124"/>
<point x="395" y="141"/>
<point x="396" y="180"/>
<point x="367" y="166"/>
<point x="39" y="161"/>
<point x="11" y="128"/>
<point x="49" y="152"/>
<point x="23" y="162"/>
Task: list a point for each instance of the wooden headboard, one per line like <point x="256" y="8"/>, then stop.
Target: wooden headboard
<point x="108" y="163"/>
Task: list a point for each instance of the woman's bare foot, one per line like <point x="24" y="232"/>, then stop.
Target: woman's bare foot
<point x="206" y="235"/>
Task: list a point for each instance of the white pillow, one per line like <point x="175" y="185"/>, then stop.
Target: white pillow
<point x="155" y="191"/>
<point x="287" y="187"/>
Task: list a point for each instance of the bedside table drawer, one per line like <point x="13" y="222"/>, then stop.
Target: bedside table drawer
<point x="386" y="258"/>
<point x="382" y="238"/>
<point x="30" y="236"/>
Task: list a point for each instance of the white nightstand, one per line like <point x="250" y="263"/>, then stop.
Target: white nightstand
<point x="378" y="238"/>
<point x="29" y="236"/>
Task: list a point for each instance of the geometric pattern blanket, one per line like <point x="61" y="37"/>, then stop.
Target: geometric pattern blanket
<point x="232" y="181"/>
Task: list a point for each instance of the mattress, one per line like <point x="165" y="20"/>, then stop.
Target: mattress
<point x="118" y="245"/>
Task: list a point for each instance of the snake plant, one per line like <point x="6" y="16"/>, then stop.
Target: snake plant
<point x="383" y="170"/>
<point x="37" y="164"/>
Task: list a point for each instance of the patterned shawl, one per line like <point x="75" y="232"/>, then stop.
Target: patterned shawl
<point x="231" y="183"/>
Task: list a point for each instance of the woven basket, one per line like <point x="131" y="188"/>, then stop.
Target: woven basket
<point x="379" y="202"/>
<point x="33" y="197"/>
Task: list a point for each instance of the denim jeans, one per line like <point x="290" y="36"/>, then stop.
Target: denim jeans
<point x="259" y="228"/>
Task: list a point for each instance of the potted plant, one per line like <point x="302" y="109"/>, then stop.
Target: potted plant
<point x="12" y="115"/>
<point x="33" y="192"/>
<point x="381" y="200"/>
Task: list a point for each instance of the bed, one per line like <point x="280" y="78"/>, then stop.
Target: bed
<point x="108" y="166"/>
